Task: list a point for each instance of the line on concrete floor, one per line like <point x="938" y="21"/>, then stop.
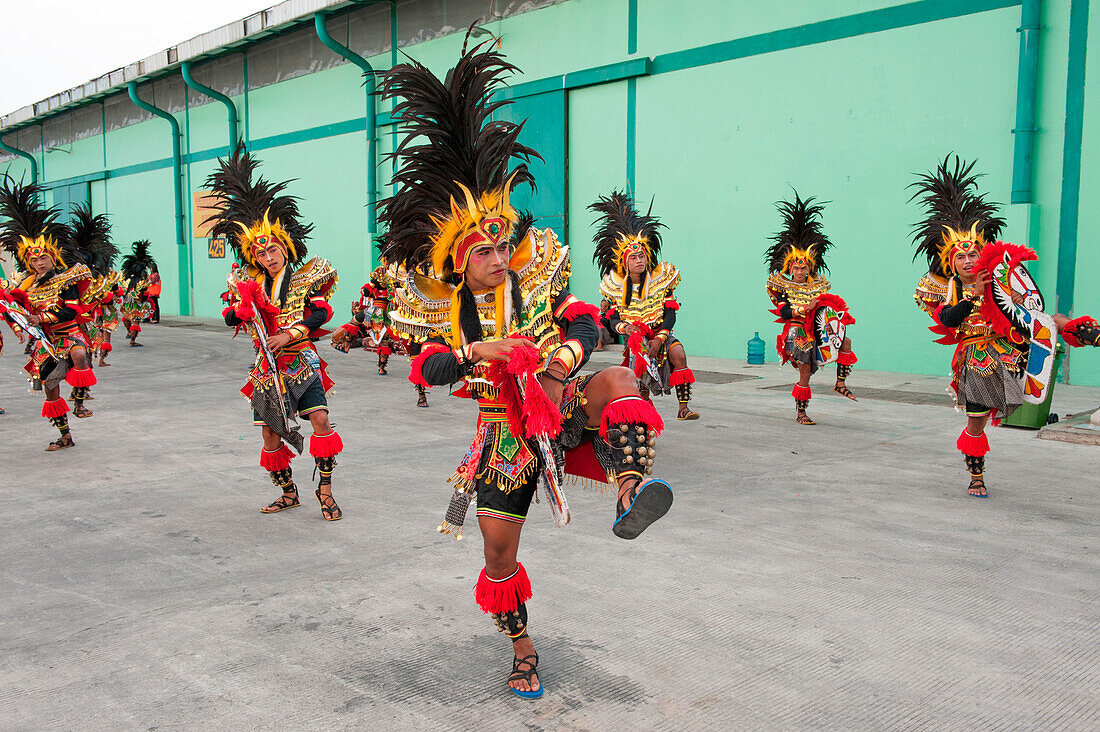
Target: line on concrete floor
<point x="900" y="396"/>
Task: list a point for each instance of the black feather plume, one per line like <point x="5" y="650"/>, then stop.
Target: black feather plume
<point x="949" y="198"/>
<point x="22" y="214"/>
<point x="91" y="239"/>
<point x="801" y="230"/>
<point x="523" y="225"/>
<point x="136" y="264"/>
<point x="240" y="201"/>
<point x="619" y="218"/>
<point x="450" y="138"/>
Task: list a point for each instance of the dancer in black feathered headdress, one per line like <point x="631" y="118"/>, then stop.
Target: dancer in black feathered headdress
<point x="640" y="288"/>
<point x="484" y="292"/>
<point x="282" y="300"/>
<point x="814" y="320"/>
<point x="136" y="303"/>
<point x="136" y="264"/>
<point x="48" y="293"/>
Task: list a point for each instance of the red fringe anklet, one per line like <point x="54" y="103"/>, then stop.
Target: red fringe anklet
<point x="975" y="445"/>
<point x="631" y="410"/>
<point x="502" y="595"/>
<point x="801" y="393"/>
<point x="276" y="460"/>
<point x="847" y="358"/>
<point x="55" y="408"/>
<point x="81" y="377"/>
<point x="322" y="446"/>
<point x="681" y="376"/>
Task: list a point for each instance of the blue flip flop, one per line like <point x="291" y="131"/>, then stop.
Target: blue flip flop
<point x="526" y="675"/>
<point x="651" y="501"/>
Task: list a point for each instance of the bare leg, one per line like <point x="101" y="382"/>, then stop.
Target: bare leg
<point x="501" y="542"/>
<point x="609" y="384"/>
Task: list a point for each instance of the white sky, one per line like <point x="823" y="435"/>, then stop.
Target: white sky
<point x="48" y="46"/>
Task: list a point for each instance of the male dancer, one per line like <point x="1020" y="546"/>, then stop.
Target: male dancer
<point x="49" y="293"/>
<point x="800" y="294"/>
<point x="500" y="319"/>
<point x="984" y="303"/>
<point x="136" y="305"/>
<point x="640" y="289"/>
<point x="283" y="301"/>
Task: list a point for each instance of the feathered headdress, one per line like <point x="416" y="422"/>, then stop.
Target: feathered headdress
<point x="801" y="239"/>
<point x="622" y="232"/>
<point x="957" y="217"/>
<point x="137" y="263"/>
<point x="91" y="240"/>
<point x="29" y="229"/>
<point x="254" y="214"/>
<point x="454" y="180"/>
<point x="524" y="221"/>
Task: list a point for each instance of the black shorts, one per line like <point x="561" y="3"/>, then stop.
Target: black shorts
<point x="311" y="400"/>
<point x="492" y="502"/>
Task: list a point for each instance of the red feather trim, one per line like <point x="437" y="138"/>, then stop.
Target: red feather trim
<point x="20" y="297"/>
<point x="847" y="358"/>
<point x="81" y="377"/>
<point x="636" y="345"/>
<point x="1069" y="331"/>
<point x="802" y="393"/>
<point x="134" y="327"/>
<point x="672" y="304"/>
<point x="833" y="301"/>
<point x="318" y="303"/>
<point x="277" y="460"/>
<point x="533" y="414"/>
<point x="993" y="254"/>
<point x="504" y="595"/>
<point x="630" y="410"/>
<point x="416" y="375"/>
<point x="227" y="311"/>
<point x="352" y="329"/>
<point x="578" y="308"/>
<point x="681" y="376"/>
<point x="968" y="444"/>
<point x="106" y="347"/>
<point x="56" y="408"/>
<point x="323" y="446"/>
<point x="385" y="351"/>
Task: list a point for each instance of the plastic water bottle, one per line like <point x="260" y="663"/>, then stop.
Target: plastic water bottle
<point x="756" y="349"/>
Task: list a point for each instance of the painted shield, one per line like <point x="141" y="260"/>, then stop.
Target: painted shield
<point x="1016" y="280"/>
<point x="828" y="334"/>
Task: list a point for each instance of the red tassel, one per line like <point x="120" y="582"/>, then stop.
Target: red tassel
<point x="847" y="358"/>
<point x="636" y="345"/>
<point x="106" y="348"/>
<point x="1069" y="331"/>
<point x="322" y="446"/>
<point x="577" y="309"/>
<point x="385" y="351"/>
<point x="81" y="377"/>
<point x="352" y="329"/>
<point x="630" y="410"/>
<point x="416" y="376"/>
<point x="681" y="376"/>
<point x="801" y="393"/>
<point x="277" y="460"/>
<point x="227" y="311"/>
<point x="503" y="595"/>
<point x="55" y="408"/>
<point x="968" y="444"/>
<point x="672" y="304"/>
<point x="134" y="327"/>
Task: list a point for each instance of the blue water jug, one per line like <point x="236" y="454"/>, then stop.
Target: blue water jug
<point x="756" y="349"/>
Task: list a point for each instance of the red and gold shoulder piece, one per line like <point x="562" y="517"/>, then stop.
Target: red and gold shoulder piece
<point x="796" y="293"/>
<point x="421" y="307"/>
<point x="664" y="277"/>
<point x="611" y="287"/>
<point x="543" y="266"/>
<point x="932" y="291"/>
<point x="314" y="274"/>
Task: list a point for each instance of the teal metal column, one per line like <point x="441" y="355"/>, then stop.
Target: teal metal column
<point x="218" y="96"/>
<point x="183" y="244"/>
<point x="372" y="143"/>
<point x="23" y="154"/>
<point x="1027" y="83"/>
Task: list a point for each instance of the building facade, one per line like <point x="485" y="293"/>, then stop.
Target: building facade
<point x="713" y="109"/>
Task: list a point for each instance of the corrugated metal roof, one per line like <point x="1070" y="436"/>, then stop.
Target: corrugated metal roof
<point x="241" y="32"/>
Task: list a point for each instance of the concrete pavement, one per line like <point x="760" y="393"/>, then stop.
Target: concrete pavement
<point x="834" y="576"/>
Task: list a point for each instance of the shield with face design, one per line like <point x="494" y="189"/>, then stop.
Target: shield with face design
<point x="828" y="334"/>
